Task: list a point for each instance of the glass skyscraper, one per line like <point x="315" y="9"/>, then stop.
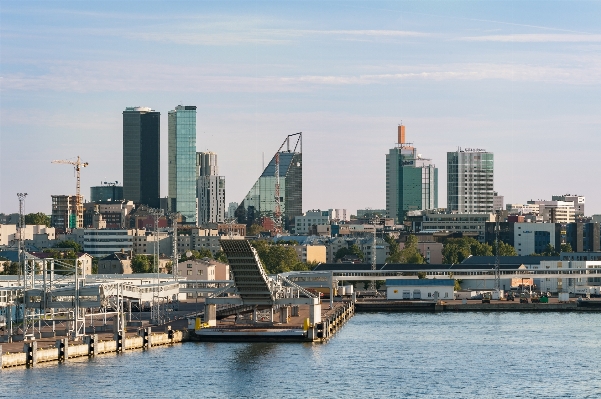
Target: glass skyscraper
<point x="411" y="181"/>
<point x="141" y="156"/>
<point x="182" y="161"/>
<point x="470" y="181"/>
<point x="260" y="200"/>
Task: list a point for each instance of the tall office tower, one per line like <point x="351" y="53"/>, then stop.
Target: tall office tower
<point x="470" y="182"/>
<point x="261" y="199"/>
<point x="182" y="161"/>
<point x="210" y="189"/>
<point x="141" y="156"/>
<point x="411" y="181"/>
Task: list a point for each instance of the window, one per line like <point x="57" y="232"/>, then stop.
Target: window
<point x="189" y="272"/>
<point x="200" y="272"/>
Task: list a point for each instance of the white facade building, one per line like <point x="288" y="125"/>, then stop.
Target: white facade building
<point x="470" y="181"/>
<point x="311" y="218"/>
<point x="100" y="243"/>
<point x="555" y="211"/>
<point x="210" y="189"/>
<point x="526" y="235"/>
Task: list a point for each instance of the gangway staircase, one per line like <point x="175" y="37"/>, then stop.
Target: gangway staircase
<point x="253" y="290"/>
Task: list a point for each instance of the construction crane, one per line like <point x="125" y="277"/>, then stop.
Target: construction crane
<point x="77" y="166"/>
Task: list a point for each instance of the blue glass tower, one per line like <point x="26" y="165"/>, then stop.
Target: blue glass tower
<point x="182" y="161"/>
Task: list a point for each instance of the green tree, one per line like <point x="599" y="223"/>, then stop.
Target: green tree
<point x="221" y="257"/>
<point x="254" y="229"/>
<point x="455" y="250"/>
<point x="421" y="275"/>
<point x="278" y="258"/>
<point x="409" y="254"/>
<point x="566" y="248"/>
<point x="142" y="264"/>
<point x="204" y="253"/>
<point x="94" y="265"/>
<point x="352" y="250"/>
<point x="37" y="219"/>
<point x="69" y="244"/>
<point x="11" y="268"/>
<point x="504" y="249"/>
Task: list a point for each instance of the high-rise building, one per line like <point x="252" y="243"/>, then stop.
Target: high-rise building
<point x="65" y="212"/>
<point x="411" y="181"/>
<point x="261" y="199"/>
<point x="210" y="189"/>
<point x="106" y="192"/>
<point x="141" y="156"/>
<point x="182" y="161"/>
<point x="470" y="182"/>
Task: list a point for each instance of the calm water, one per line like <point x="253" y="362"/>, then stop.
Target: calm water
<point x="471" y="355"/>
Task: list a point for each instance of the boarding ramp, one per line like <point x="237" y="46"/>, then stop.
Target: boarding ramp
<point x="251" y="282"/>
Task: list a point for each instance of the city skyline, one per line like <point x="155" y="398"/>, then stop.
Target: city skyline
<point x="519" y="80"/>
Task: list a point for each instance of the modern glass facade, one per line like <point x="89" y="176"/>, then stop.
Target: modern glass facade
<point x="470" y="181"/>
<point x="182" y="161"/>
<point x="141" y="156"/>
<point x="260" y="200"/>
<point x="411" y="182"/>
<point x="106" y="193"/>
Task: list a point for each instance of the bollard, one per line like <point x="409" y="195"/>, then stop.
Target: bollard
<point x="145" y="334"/>
<point x="119" y="340"/>
<point x="31" y="355"/>
<point x="62" y="348"/>
<point x="169" y="332"/>
<point x="91" y="341"/>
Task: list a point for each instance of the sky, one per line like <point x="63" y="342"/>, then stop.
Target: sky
<point x="519" y="79"/>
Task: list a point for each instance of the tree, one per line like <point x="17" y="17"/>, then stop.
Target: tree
<point x="221" y="257"/>
<point x="254" y="229"/>
<point x="455" y="250"/>
<point x="566" y="248"/>
<point x="69" y="244"/>
<point x="409" y="254"/>
<point x="421" y="275"/>
<point x="11" y="268"/>
<point x="278" y="258"/>
<point x="37" y="219"/>
<point x="504" y="249"/>
<point x="204" y="253"/>
<point x="352" y="250"/>
<point x="142" y="264"/>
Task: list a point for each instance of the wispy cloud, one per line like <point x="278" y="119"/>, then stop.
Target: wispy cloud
<point x="536" y="38"/>
<point x="118" y="77"/>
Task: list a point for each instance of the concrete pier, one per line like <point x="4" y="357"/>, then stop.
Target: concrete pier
<point x="34" y="352"/>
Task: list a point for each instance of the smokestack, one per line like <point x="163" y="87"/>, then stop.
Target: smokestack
<point x="401" y="139"/>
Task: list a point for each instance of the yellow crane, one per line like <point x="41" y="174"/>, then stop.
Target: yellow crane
<point x="77" y="165"/>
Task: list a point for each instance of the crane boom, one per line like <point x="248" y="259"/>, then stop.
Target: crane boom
<point x="78" y="165"/>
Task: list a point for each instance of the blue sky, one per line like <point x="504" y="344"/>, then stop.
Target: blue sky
<point x="520" y="79"/>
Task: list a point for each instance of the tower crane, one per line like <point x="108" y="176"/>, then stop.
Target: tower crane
<point x="77" y="166"/>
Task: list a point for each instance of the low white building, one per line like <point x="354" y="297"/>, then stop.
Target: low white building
<point x="303" y="224"/>
<point x="579" y="285"/>
<point x="419" y="289"/>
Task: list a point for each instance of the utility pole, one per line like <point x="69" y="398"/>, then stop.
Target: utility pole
<point x="155" y="315"/>
<point x="175" y="257"/>
<point x="21" y="251"/>
<point x="497" y="259"/>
